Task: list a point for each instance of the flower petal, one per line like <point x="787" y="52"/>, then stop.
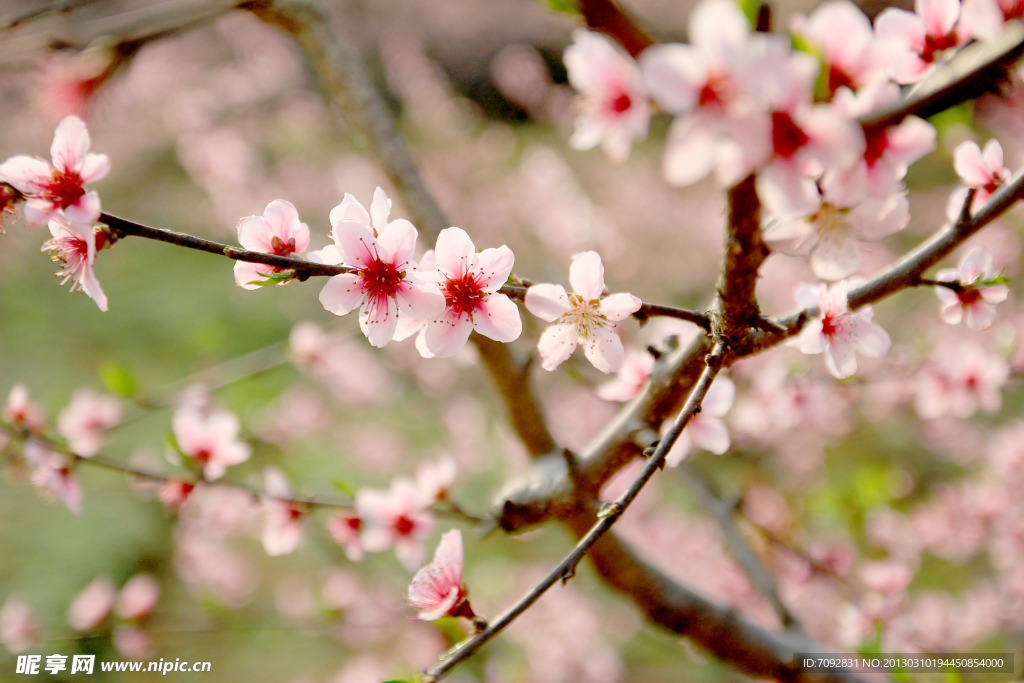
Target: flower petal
<point x="620" y="306"/>
<point x="342" y="293"/>
<point x="556" y="344"/>
<point x="604" y="349"/>
<point x="547" y="302"/>
<point x="586" y="275"/>
<point x="70" y="144"/>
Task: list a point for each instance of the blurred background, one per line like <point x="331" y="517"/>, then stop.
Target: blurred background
<point x="877" y="524"/>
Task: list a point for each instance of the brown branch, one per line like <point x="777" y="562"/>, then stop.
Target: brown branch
<point x="606" y="17"/>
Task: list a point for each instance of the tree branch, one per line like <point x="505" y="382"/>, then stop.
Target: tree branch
<point x="606" y="17"/>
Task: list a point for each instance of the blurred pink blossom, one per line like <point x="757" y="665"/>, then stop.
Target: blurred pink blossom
<point x="174" y="493"/>
<point x="138" y="597"/>
<point x="958" y="380"/>
<point x="19" y="629"/>
<point x="132" y="641"/>
<point x="981" y="170"/>
<point x="839" y="332"/>
<point x="914" y="42"/>
<point x="582" y="317"/>
<point x="345" y="529"/>
<point x="211" y="440"/>
<point x="984" y="19"/>
<point x="282" y="520"/>
<point x="278" y="231"/>
<point x="633" y="375"/>
<point x="58" y="190"/>
<point x="92" y="604"/>
<point x="20" y="411"/>
<point x="434" y="479"/>
<point x="706" y="429"/>
<point x="971" y="301"/>
<point x="395" y="517"/>
<point x="849" y="51"/>
<point x="51" y="473"/>
<point x="83" y="422"/>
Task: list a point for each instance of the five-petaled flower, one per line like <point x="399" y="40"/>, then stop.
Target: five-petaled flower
<point x="437" y="590"/>
<point x="210" y="439"/>
<point x="469" y="282"/>
<point x="278" y="231"/>
<point x="57" y="189"/>
<point x="83" y="422"/>
<point x="981" y="170"/>
<point x="838" y="331"/>
<point x="76" y="244"/>
<point x="583" y="317"/>
<point x="914" y="41"/>
<point x="383" y="282"/>
<point x="395" y="517"/>
<point x="968" y="298"/>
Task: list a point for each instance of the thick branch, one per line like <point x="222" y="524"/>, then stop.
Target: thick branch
<point x="606" y="17"/>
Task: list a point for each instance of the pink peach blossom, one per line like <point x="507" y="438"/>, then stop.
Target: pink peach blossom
<point x="979" y="169"/>
<point x="839" y="332"/>
<point x="92" y="604"/>
<point x="958" y="380"/>
<point x="843" y="34"/>
<point x="984" y="19"/>
<point x="211" y="439"/>
<point x="278" y="231"/>
<point x="58" y="190"/>
<point x="345" y="528"/>
<point x="51" y="473"/>
<point x="83" y="422"/>
<point x="613" y="108"/>
<point x="75" y="245"/>
<point x="914" y="42"/>
<point x="437" y="589"/>
<point x="174" y="493"/>
<point x="633" y="375"/>
<point x="706" y="429"/>
<point x="971" y="301"/>
<point x="132" y="641"/>
<point x="138" y="597"/>
<point x="469" y="282"/>
<point x="20" y="411"/>
<point x="383" y="283"/>
<point x="433" y="479"/>
<point x="395" y="517"/>
<point x="583" y="317"/>
<point x="282" y="520"/>
<point x="19" y="629"/>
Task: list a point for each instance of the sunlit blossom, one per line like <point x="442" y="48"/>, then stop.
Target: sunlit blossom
<point x="278" y="231"/>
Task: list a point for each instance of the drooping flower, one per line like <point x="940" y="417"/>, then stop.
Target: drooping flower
<point x="282" y="520"/>
<point x="85" y="419"/>
<point x="838" y="332"/>
<point x="437" y="590"/>
<point x="210" y="439"/>
<point x="971" y="300"/>
<point x="843" y="34"/>
<point x="75" y="245"/>
<point x="635" y="370"/>
<point x="395" y="517"/>
<point x="20" y="411"/>
<point x="384" y="284"/>
<point x="278" y="231"/>
<point x="57" y="189"/>
<point x="613" y="107"/>
<point x="469" y="282"/>
<point x="345" y="529"/>
<point x="706" y="429"/>
<point x="92" y="604"/>
<point x="978" y="169"/>
<point x="914" y="41"/>
<point x="583" y="317"/>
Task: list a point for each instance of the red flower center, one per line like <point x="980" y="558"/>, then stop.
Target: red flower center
<point x="64" y="189"/>
<point x="354" y="523"/>
<point x="714" y="91"/>
<point x="968" y="297"/>
<point x="936" y="44"/>
<point x="837" y="78"/>
<point x="463" y="295"/>
<point x="787" y="137"/>
<point x="829" y="325"/>
<point x="404" y="525"/>
<point x="282" y="248"/>
<point x="621" y="103"/>
<point x="203" y="454"/>
<point x="381" y="280"/>
<point x="876" y="142"/>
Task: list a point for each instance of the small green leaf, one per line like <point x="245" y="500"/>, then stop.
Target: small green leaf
<point x="996" y="280"/>
<point x="399" y="680"/>
<point x="751" y="8"/>
<point x="566" y="6"/>
<point x="272" y="279"/>
<point x="118" y="379"/>
<point x="343" y="486"/>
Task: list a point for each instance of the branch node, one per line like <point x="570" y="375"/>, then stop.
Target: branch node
<point x="613" y="509"/>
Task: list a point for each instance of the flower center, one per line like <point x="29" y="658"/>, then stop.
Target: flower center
<point x="876" y="143"/>
<point x="203" y="454"/>
<point x="968" y="297"/>
<point x="621" y="103"/>
<point x="787" y="137"/>
<point x="381" y="280"/>
<point x="282" y="248"/>
<point x="584" y="315"/>
<point x="714" y="91"/>
<point x="404" y="525"/>
<point x="463" y="295"/>
<point x="837" y="78"/>
<point x="64" y="189"/>
<point x="830" y="325"/>
<point x="936" y="44"/>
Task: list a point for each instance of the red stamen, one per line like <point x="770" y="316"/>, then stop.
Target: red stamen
<point x="787" y="137"/>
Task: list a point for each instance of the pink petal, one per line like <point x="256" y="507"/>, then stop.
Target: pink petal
<point x="994" y="294"/>
<point x="710" y="433"/>
<point x="498" y="319"/>
<point x="28" y="174"/>
<point x="556" y="345"/>
<point x="70" y="144"/>
<point x="690" y="151"/>
<point x="86" y="210"/>
<point x="94" y="167"/>
<point x="380" y="209"/>
<point x="718" y="27"/>
<point x="604" y="349"/>
<point x="680" y="449"/>
<point x="970" y="165"/>
<point x="447" y="334"/>
<point x="868" y="338"/>
<point x="952" y="311"/>
<point x="455" y="252"/>
<point x="836" y="255"/>
<point x="812" y="339"/>
<point x="378" y="320"/>
<point x="976" y="263"/>
<point x="586" y="275"/>
<point x="719" y="398"/>
<point x="839" y="358"/>
<point x="356" y="244"/>
<point x="350" y="209"/>
<point x="493" y="268"/>
<point x="283" y="220"/>
<point x="547" y="302"/>
<point x="409" y="552"/>
<point x="398" y="238"/>
<point x="878" y="217"/>
<point x="255" y="234"/>
<point x="939" y="16"/>
<point x="448" y="556"/>
<point x="993" y="156"/>
<point x="674" y="75"/>
<point x="980" y="315"/>
<point x="443" y="607"/>
<point x="419" y="299"/>
<point x="911" y="140"/>
<point x="617" y="307"/>
<point x="329" y="254"/>
<point x="342" y="294"/>
<point x="785" y="190"/>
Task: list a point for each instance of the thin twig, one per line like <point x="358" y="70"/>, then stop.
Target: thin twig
<point x="607" y="516"/>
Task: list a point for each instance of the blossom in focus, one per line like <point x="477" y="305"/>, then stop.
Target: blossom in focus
<point x="19" y="629"/>
<point x="635" y="370"/>
<point x="51" y="473"/>
<point x="914" y="41"/>
<point x="383" y="284"/>
<point x="706" y="429"/>
<point x="583" y="317"/>
<point x="613" y="107"/>
<point x="282" y="521"/>
<point x="958" y="380"/>
<point x="437" y="589"/>
<point x="469" y="282"/>
<point x="58" y="189"/>
<point x="345" y="529"/>
<point x="92" y="604"/>
<point x="843" y="34"/>
<point x="138" y="597"/>
<point x="395" y="517"/>
<point x="211" y="439"/>
<point x="838" y="332"/>
<point x="979" y="169"/>
<point x="21" y="411"/>
<point x="85" y="419"/>
<point x="75" y="245"/>
<point x="278" y="231"/>
<point x="971" y="300"/>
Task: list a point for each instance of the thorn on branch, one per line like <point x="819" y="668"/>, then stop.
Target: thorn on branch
<point x="480" y="624"/>
<point x="568" y="573"/>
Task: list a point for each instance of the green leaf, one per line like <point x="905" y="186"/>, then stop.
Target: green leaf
<point x="272" y="279"/>
<point x="566" y="6"/>
<point x="751" y="8"/>
<point x="399" y="680"/>
<point x="118" y="379"/>
<point x="996" y="280"/>
<point x="343" y="486"/>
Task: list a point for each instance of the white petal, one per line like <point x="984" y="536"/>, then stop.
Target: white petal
<point x="556" y="344"/>
<point x="498" y="319"/>
<point x="586" y="275"/>
<point x="617" y="307"/>
<point x="342" y="293"/>
<point x="604" y="349"/>
<point x="547" y="302"/>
